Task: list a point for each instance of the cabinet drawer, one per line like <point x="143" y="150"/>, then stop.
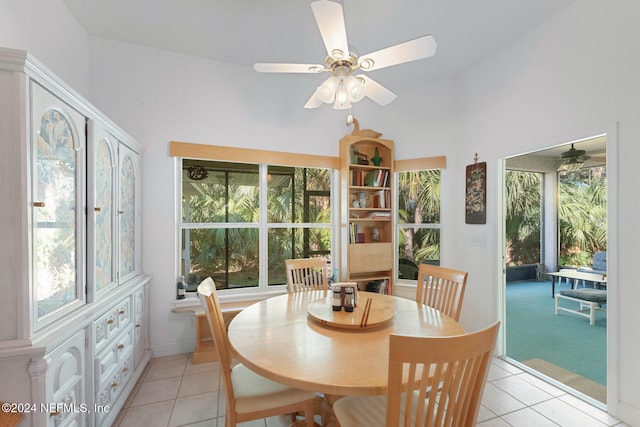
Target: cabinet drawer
<point x="112" y="322"/>
<point x="108" y="392"/>
<point x="368" y="257"/>
<point x="112" y="357"/>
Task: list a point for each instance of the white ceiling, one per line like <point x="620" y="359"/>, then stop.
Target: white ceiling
<point x="249" y="31"/>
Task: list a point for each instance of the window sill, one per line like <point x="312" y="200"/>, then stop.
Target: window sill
<point x="228" y="302"/>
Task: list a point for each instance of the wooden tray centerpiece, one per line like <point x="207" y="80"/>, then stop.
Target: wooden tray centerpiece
<point x="371" y="311"/>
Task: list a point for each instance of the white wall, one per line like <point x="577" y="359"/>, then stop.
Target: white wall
<point x="577" y="72"/>
<point x="51" y="33"/>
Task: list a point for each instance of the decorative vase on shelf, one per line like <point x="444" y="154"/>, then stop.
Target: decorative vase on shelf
<point x="375" y="234"/>
<point x="376" y="159"/>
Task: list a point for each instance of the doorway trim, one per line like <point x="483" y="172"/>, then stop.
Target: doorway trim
<point x="613" y="344"/>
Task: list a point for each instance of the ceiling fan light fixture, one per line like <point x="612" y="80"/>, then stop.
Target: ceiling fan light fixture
<point x="356" y="88"/>
<point x="327" y="90"/>
<point x="341" y="62"/>
<point x="342" y="99"/>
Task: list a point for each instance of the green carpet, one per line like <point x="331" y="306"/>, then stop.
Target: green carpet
<point x="567" y="341"/>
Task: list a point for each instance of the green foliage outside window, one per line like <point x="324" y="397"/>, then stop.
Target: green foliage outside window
<point x="418" y="220"/>
<point x="582" y="216"/>
<point x="222" y="223"/>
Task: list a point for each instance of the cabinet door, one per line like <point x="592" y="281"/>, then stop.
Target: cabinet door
<point x="128" y="213"/>
<point x="140" y="324"/>
<point x="66" y="398"/>
<point x="101" y="248"/>
<point x="58" y="200"/>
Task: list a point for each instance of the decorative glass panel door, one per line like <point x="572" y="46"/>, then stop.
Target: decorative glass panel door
<point x="58" y="199"/>
<point x="127" y="213"/>
<point x="102" y="220"/>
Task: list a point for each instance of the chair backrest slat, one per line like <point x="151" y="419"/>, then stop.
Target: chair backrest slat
<point x="306" y="274"/>
<point x="441" y="288"/>
<point x="438" y="380"/>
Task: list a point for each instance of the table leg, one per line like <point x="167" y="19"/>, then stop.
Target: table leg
<point x="553" y="286"/>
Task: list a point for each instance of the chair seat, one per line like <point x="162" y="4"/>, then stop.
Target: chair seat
<point x="255" y="393"/>
<point x="357" y="411"/>
<point x="370" y="411"/>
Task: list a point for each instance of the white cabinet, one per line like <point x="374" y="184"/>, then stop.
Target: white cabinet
<point x="73" y="312"/>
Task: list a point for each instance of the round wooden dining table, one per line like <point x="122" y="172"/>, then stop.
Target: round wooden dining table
<point x="293" y="339"/>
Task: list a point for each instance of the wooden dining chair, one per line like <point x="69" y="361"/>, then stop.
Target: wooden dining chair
<point x="457" y="365"/>
<point x="441" y="288"/>
<point x="249" y="396"/>
<point x="305" y="274"/>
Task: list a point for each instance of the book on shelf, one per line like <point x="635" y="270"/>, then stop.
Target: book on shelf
<point x="377" y="178"/>
<point x="370" y="179"/>
<point x="356" y="178"/>
<point x="380" y="199"/>
<point x="380" y="215"/>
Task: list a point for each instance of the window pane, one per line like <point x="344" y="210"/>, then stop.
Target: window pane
<point x="228" y="255"/>
<point x="297" y="195"/>
<point x="418" y="206"/>
<point x="416" y="245"/>
<point x="582" y="215"/>
<point x="419" y="197"/>
<point x="523" y="217"/>
<point x="219" y="192"/>
<point x="289" y="243"/>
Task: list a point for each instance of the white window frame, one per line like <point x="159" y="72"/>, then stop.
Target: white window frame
<point x="263" y="290"/>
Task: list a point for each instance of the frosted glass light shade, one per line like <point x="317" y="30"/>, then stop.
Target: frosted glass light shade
<point x="327" y="90"/>
<point x="343" y="101"/>
<point x="356" y="88"/>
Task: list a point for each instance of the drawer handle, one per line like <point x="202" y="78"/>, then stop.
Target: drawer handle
<point x="114" y="385"/>
<point x="38" y="204"/>
<point x="97" y="209"/>
<point x="120" y="346"/>
<point x="54" y="414"/>
<point x="121" y="312"/>
<point x="138" y="325"/>
<point x="120" y="212"/>
<point x="125" y="369"/>
<point x="110" y="321"/>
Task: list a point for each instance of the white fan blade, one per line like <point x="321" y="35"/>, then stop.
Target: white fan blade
<point x="376" y="92"/>
<point x="314" y="101"/>
<point x="330" y="20"/>
<point x="422" y="47"/>
<point x="288" y="68"/>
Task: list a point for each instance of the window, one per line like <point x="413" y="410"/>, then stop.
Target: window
<point x="418" y="221"/>
<point x="241" y="221"/>
<point x="582" y="215"/>
<point x="524" y="192"/>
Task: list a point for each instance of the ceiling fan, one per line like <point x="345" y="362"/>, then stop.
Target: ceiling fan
<point x="343" y="88"/>
<point x="572" y="160"/>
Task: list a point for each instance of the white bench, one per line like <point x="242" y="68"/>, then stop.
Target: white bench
<point x="590" y="300"/>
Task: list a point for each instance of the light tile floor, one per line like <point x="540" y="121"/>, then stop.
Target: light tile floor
<point x="174" y="392"/>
